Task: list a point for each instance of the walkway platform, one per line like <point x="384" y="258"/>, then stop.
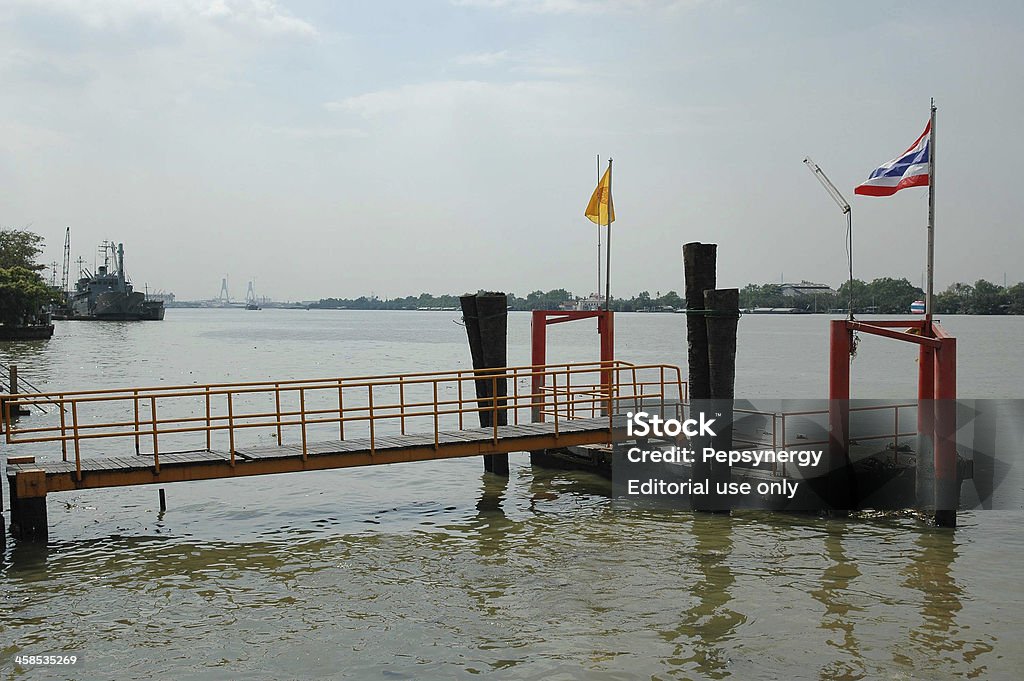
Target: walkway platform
<point x="116" y="471"/>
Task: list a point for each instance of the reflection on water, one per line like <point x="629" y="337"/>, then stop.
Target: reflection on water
<point x="704" y="630"/>
<point x="834" y="594"/>
<point x="442" y="571"/>
<point x="946" y="642"/>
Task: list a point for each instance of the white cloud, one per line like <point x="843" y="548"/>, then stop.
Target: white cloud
<point x="482" y="58"/>
<point x="313" y="133"/>
<point x="20" y="139"/>
<point x="449" y="96"/>
<point x="531" y="64"/>
<point x="259" y="17"/>
<point x="577" y="6"/>
<point x="466" y="108"/>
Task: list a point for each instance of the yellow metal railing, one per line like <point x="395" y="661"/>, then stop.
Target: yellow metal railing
<point x="357" y="406"/>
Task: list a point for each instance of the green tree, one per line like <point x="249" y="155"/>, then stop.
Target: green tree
<point x="23" y="294"/>
<point x="671" y="299"/>
<point x="20" y="248"/>
<point x="861" y="295"/>
<point x="954" y="300"/>
<point x="1015" y="299"/>
<point x="988" y="298"/>
<point x="893" y="296"/>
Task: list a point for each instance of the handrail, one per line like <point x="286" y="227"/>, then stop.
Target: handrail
<point x="780" y="441"/>
<point x="363" y="403"/>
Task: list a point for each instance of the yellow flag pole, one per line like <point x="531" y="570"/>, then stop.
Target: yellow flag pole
<point x="608" y="256"/>
<point x="598" y="232"/>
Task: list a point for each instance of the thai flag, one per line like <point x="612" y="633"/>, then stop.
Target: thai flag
<point x="909" y="169"/>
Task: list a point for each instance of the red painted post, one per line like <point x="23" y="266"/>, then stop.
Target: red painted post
<point x="946" y="485"/>
<point x="925" y="473"/>
<point x="606" y="330"/>
<point x="839" y="412"/>
<point x="538" y="333"/>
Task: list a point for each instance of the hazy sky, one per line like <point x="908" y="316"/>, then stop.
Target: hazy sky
<point x="342" y="148"/>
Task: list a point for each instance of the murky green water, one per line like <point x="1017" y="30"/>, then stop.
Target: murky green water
<point x="436" y="570"/>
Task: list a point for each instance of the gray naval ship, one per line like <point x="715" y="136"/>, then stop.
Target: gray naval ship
<point x="109" y="294"/>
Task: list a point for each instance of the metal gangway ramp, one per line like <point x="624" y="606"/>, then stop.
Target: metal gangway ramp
<point x="139" y="436"/>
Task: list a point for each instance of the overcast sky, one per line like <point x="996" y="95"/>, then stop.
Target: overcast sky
<point x="331" y="148"/>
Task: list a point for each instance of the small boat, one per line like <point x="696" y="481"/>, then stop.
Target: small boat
<point x="917" y="307"/>
<point x="251" y="301"/>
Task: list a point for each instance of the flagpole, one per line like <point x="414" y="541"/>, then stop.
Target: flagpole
<point x="931" y="224"/>
<point x="608" y="256"/>
<point x="598" y="292"/>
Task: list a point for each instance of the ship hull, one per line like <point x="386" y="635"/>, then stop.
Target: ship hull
<point x="111" y="305"/>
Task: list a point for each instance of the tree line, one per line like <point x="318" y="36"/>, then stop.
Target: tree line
<point x="892" y="296"/>
<point x="884" y="295"/>
<point x="24" y="294"/>
<point x="536" y="300"/>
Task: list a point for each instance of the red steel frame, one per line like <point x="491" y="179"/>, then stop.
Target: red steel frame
<point x="539" y="334"/>
<point x="936" y="391"/>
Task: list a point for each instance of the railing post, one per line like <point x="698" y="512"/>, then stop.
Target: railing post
<point x="156" y="448"/>
<point x="494" y="408"/>
<point x="664" y="391"/>
<point x="373" y="444"/>
<point x="63" y="430"/>
<point x="401" y="401"/>
<point x="437" y="434"/>
<point x="135" y="400"/>
<point x="462" y="405"/>
<point x="568" y="395"/>
<point x="637" y="401"/>
<point x="78" y="446"/>
<point x="209" y="433"/>
<point x="277" y="406"/>
<point x="231" y="428"/>
<point x="302" y="420"/>
<point x="341" y="413"/>
<point x="554" y="398"/>
<point x="896" y="434"/>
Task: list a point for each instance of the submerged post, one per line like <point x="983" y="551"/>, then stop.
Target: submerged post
<point x="486" y="318"/>
<point x="722" y="313"/>
<point x="837" y="490"/>
<point x="699" y="275"/>
<point x="28" y="505"/>
<point x="947" y="486"/>
<point x="11" y="410"/>
<point x="925" y="462"/>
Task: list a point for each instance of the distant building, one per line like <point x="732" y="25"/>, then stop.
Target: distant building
<point x="589" y="304"/>
<point x="806" y="288"/>
<point x="164" y="296"/>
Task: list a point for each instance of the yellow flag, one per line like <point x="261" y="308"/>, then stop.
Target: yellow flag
<point x="601" y="210"/>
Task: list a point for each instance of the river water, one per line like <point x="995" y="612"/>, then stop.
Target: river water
<point x="437" y="570"/>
